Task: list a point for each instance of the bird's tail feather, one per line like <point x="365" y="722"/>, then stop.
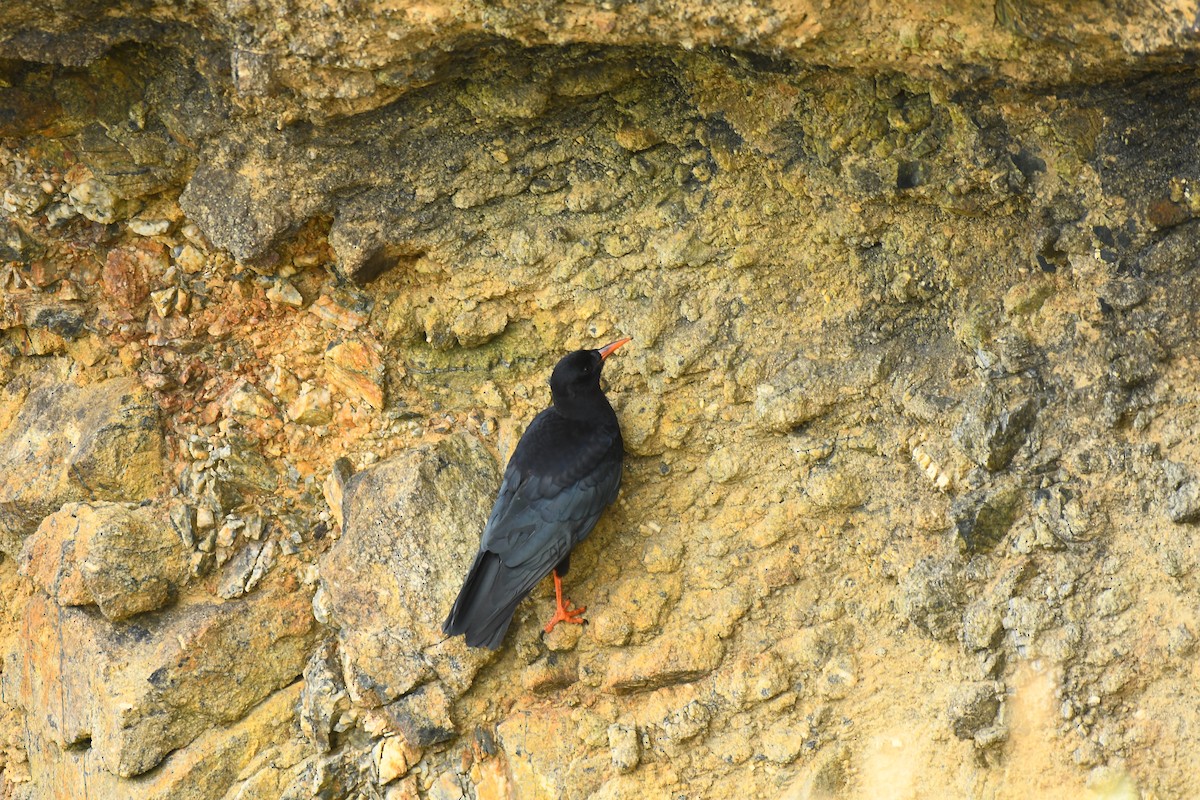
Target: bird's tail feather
<point x="486" y="603"/>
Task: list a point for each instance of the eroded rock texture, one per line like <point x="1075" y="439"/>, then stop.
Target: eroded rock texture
<point x="911" y="496"/>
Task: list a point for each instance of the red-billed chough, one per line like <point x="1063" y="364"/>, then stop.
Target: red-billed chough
<point x="564" y="472"/>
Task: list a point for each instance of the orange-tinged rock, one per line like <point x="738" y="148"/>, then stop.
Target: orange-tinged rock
<point x="39" y="342"/>
<point x="446" y="787"/>
<point x="344" y="309"/>
<point x="49" y="559"/>
<point x="1163" y="213"/>
<point x="128" y="271"/>
<point x="246" y="401"/>
<point x="493" y="782"/>
<point x="394" y="756"/>
<point x="404" y="789"/>
<point x="354" y="367"/>
<point x="125" y="560"/>
<point x="312" y="406"/>
<point x="45" y="272"/>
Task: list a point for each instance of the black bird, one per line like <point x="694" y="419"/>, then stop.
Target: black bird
<point x="564" y="472"/>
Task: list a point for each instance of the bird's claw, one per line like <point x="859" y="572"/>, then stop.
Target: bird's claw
<point x="564" y="613"/>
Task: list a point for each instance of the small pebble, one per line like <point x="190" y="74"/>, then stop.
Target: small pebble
<point x="150" y="227"/>
<point x="284" y="293"/>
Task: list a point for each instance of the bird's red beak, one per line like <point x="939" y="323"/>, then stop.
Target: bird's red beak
<point x="608" y="349"/>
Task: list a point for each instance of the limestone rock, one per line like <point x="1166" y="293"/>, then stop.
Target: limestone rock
<point x="826" y="779"/>
<point x="1059" y="517"/>
<point x="144" y="688"/>
<point x="283" y="292"/>
<point x="545" y="757"/>
<point x="393" y="758"/>
<point x="124" y="560"/>
<point x="783" y="741"/>
<point x="636" y="139"/>
<point x="97" y="201"/>
<point x="834" y="261"/>
<point x="783" y="410"/>
<point x="312" y="406"/>
<point x="638" y="603"/>
<point x="190" y="259"/>
<point x="69" y="443"/>
<point x="807" y="388"/>
<point x="984" y="516"/>
<point x="243" y="468"/>
<point x="554" y="672"/>
<point x="144" y="226"/>
<point x="343" y="308"/>
<point x="479" y="326"/>
<point x="839" y="486"/>
<point x="333" y="488"/>
<point x="50" y="321"/>
<point x="246" y="569"/>
<point x="412" y="525"/>
<point x="422" y="716"/>
<point x="981" y="624"/>
<point x="236" y="212"/>
<point x="334" y="775"/>
<point x="282" y="383"/>
<point x="246" y="401"/>
<point x="757" y="679"/>
<point x="448" y="786"/>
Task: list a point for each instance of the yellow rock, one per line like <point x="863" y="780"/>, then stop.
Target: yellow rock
<point x="137" y="699"/>
<point x="125" y="560"/>
<point x="394" y="756"/>
<point x="103" y="442"/>
<point x="354" y="367"/>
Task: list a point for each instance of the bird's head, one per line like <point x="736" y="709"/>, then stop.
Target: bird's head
<point x="577" y="374"/>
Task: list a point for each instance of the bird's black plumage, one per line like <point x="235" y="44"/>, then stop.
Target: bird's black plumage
<point x="564" y="472"/>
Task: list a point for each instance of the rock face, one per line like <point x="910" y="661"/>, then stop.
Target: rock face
<point x="910" y="498"/>
<point x="412" y="527"/>
<point x="72" y="443"/>
<point x="249" y="758"/>
<point x="124" y="560"/>
<point x="137" y="692"/>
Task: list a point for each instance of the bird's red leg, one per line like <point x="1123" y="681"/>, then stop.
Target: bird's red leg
<point x="564" y="613"/>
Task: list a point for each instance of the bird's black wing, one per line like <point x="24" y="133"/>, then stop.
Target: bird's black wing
<point x="546" y="505"/>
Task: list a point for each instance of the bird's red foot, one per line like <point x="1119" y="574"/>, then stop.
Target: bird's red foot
<point x="564" y="612"/>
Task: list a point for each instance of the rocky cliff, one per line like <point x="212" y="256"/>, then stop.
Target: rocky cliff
<point x="910" y="501"/>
